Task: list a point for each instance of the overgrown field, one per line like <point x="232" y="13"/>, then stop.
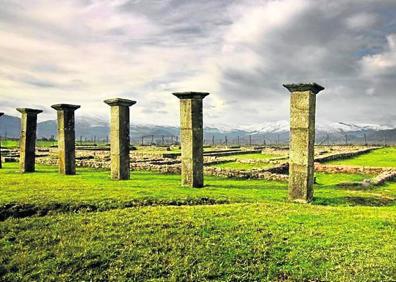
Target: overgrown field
<point x="88" y="227"/>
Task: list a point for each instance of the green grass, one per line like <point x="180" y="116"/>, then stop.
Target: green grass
<point x="239" y="242"/>
<point x="245" y="166"/>
<point x="15" y="143"/>
<point x="327" y="179"/>
<point x="90" y="186"/>
<point x="384" y="157"/>
<point x="256" y="156"/>
<point x="157" y="150"/>
<point x="231" y="230"/>
<point x="46" y="188"/>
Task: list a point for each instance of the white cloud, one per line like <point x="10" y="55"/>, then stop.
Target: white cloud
<point x="382" y="63"/>
<point x="361" y="20"/>
<point x="241" y="51"/>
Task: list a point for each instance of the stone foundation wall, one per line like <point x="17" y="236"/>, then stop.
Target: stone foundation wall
<point x="344" y="155"/>
<point x="350" y="169"/>
<point x="175" y="168"/>
<point x="245" y="174"/>
<point x="384" y="177"/>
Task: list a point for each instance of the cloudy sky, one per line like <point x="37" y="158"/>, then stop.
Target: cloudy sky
<point x="84" y="51"/>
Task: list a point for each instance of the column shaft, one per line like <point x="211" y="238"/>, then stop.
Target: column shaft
<point x="28" y="139"/>
<point x="66" y="138"/>
<point x="119" y="138"/>
<point x="191" y="133"/>
<point x="191" y="138"/>
<point x="302" y="140"/>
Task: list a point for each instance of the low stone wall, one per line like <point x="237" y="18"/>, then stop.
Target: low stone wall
<point x="171" y="168"/>
<point x="262" y="161"/>
<point x="252" y="161"/>
<point x="384" y="177"/>
<point x="350" y="169"/>
<point x="9" y="160"/>
<point x="245" y="174"/>
<point x="230" y="153"/>
<point x="92" y="148"/>
<point x="280" y="169"/>
<point x="375" y="181"/>
<point x="175" y="168"/>
<point x="344" y="155"/>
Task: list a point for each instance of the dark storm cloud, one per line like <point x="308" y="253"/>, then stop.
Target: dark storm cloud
<point x="317" y="44"/>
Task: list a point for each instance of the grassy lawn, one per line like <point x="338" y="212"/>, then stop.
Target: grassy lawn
<point x="94" y="189"/>
<point x="245" y="166"/>
<point x="385" y="157"/>
<point x="238" y="242"/>
<point x="257" y="156"/>
<point x="327" y="179"/>
<point x="15" y="143"/>
<point x="231" y="230"/>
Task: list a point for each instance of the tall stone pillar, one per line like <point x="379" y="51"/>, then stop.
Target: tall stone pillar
<point x="66" y="138"/>
<point x="302" y="140"/>
<point x="0" y="146"/>
<point x="119" y="137"/>
<point x="27" y="154"/>
<point x="191" y="137"/>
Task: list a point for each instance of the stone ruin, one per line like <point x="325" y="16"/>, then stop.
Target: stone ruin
<point x="119" y="137"/>
<point x="66" y="138"/>
<point x="302" y="140"/>
<point x="301" y="163"/>
<point x="191" y="137"/>
<point x="28" y="139"/>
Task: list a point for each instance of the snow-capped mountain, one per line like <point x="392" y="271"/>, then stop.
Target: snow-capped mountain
<point x="348" y="127"/>
<point x="328" y="127"/>
<point x="338" y="132"/>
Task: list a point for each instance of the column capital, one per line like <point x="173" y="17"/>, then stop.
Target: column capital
<point x="300" y="87"/>
<point x="62" y="107"/>
<point x="29" y="111"/>
<point x="190" y="95"/>
<point x="119" y="102"/>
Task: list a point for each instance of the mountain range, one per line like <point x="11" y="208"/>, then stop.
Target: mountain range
<point x="270" y="132"/>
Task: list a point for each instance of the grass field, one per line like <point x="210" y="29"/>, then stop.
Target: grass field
<point x="150" y="228"/>
<point x="257" y="156"/>
<point x="384" y="157"/>
<point x="245" y="166"/>
<point x="15" y="143"/>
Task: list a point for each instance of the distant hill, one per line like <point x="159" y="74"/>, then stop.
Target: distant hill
<point x="271" y="132"/>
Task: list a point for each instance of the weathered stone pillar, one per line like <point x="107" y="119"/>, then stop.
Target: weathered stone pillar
<point x="119" y="137"/>
<point x="302" y="140"/>
<point x="191" y="137"/>
<point x="0" y="146"/>
<point x="66" y="138"/>
<point x="27" y="154"/>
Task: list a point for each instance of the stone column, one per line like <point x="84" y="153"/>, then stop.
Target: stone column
<point x="0" y="146"/>
<point x="119" y="137"/>
<point x="302" y="140"/>
<point x="66" y="138"/>
<point x="27" y="154"/>
<point x="191" y="137"/>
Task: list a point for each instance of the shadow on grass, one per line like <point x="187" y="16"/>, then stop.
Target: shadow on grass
<point x="351" y="186"/>
<point x="19" y="210"/>
<point x="355" y="201"/>
<point x="274" y="186"/>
